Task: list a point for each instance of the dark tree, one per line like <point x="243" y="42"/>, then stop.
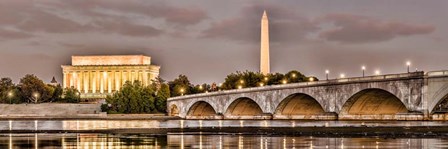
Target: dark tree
<point x="34" y="90"/>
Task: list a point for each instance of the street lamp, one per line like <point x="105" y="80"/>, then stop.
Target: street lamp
<point x="293" y="75"/>
<point x="261" y="84"/>
<point x="10" y="95"/>
<point x="36" y="96"/>
<point x="408" y="63"/>
<point x="342" y="75"/>
<point x="284" y="81"/>
<point x="311" y="79"/>
<point x="327" y="72"/>
<point x="363" y="70"/>
<point x="266" y="78"/>
<point x="240" y="87"/>
<point x="242" y="81"/>
<point x="182" y="91"/>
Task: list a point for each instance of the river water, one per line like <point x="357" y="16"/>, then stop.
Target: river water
<point x="213" y="141"/>
<point x="128" y="134"/>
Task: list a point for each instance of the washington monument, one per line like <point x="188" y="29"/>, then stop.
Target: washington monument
<point x="264" y="54"/>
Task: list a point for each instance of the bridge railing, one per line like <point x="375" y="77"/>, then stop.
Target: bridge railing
<point x="437" y="73"/>
<point x="305" y="84"/>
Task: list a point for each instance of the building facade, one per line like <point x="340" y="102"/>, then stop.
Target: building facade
<point x="98" y="76"/>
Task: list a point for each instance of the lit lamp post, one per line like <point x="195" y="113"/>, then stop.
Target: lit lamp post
<point x="342" y="75"/>
<point x="182" y="91"/>
<point x="284" y="81"/>
<point x="408" y="63"/>
<point x="327" y="72"/>
<point x="363" y="70"/>
<point x="36" y="96"/>
<point x="10" y="95"/>
<point x="311" y="79"/>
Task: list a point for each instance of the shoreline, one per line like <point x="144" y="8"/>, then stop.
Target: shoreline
<point x="387" y="132"/>
<point x="249" y="127"/>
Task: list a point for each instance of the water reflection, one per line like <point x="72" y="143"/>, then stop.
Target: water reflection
<point x="205" y="141"/>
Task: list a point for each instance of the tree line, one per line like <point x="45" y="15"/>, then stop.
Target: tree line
<point x="31" y="89"/>
<point x="238" y="80"/>
<point x="134" y="97"/>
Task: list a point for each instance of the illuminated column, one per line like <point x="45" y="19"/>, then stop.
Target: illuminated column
<point x="109" y="82"/>
<point x="102" y="74"/>
<point x="93" y="81"/>
<point x="64" y="79"/>
<point x="70" y="79"/>
<point x="124" y="75"/>
<point x="145" y="78"/>
<point x="75" y="80"/>
<point x="132" y="76"/>
<point x="140" y="76"/>
<point x="79" y="81"/>
<point x="86" y="81"/>
<point x="117" y="80"/>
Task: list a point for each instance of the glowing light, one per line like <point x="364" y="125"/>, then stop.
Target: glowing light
<point x="377" y="72"/>
<point x="327" y="71"/>
<point x="182" y="90"/>
<point x="284" y="81"/>
<point x="10" y="94"/>
<point x="311" y="79"/>
<point x="262" y="84"/>
<point x="294" y="75"/>
<point x="408" y="63"/>
<point x="363" y="67"/>
<point x="200" y="87"/>
<point x="342" y="75"/>
<point x="241" y="81"/>
<point x="266" y="78"/>
<point x="36" y="95"/>
<point x="240" y="87"/>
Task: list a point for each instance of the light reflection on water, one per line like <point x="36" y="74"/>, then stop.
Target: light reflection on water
<point x="214" y="141"/>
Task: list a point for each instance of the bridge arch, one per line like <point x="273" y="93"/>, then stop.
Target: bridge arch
<point x="441" y="106"/>
<point x="243" y="106"/>
<point x="299" y="104"/>
<point x="173" y="110"/>
<point x="373" y="101"/>
<point x="201" y="108"/>
<point x="440" y="99"/>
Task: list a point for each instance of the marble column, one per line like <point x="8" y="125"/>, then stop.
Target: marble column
<point x="64" y="80"/>
<point x="86" y="81"/>
<point x="101" y="76"/>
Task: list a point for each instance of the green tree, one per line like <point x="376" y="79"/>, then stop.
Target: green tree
<point x="133" y="98"/>
<point x="71" y="95"/>
<point x="295" y="76"/>
<point x="180" y="85"/>
<point x="9" y="93"/>
<point x="33" y="89"/>
<point x="243" y="80"/>
<point x="57" y="93"/>
<point x="161" y="97"/>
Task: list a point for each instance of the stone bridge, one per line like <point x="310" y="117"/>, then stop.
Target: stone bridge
<point x="407" y="96"/>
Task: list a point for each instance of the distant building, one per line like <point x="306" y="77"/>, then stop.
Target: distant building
<point x="54" y="82"/>
<point x="98" y="76"/>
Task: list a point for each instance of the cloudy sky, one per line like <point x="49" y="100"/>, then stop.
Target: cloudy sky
<point x="206" y="40"/>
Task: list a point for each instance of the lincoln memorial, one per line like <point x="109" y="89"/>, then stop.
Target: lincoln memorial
<point x="98" y="76"/>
